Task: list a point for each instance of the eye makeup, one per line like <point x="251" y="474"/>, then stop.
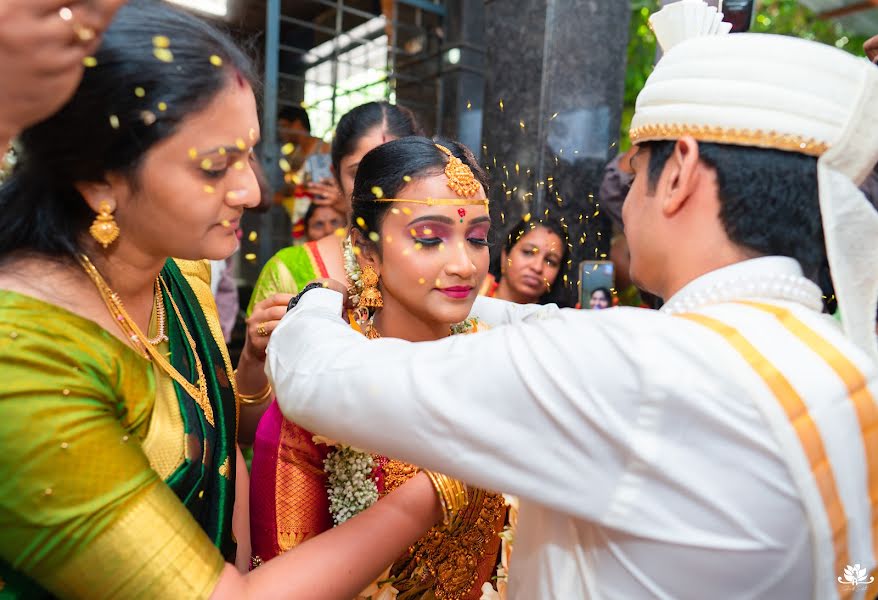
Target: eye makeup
<point x="432" y="232"/>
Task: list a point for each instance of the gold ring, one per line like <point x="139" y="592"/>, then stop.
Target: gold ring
<point x="260" y="329"/>
<point x="83" y="33"/>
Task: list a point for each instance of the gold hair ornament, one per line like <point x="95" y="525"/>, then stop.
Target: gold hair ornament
<point x="439" y="201"/>
<point x="460" y="177"/>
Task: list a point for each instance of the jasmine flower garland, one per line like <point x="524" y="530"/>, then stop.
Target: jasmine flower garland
<point x="350" y="485"/>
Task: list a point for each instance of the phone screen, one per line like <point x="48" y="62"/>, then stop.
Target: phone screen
<point x="317" y="167"/>
<point x="594" y="275"/>
<point x="739" y="13"/>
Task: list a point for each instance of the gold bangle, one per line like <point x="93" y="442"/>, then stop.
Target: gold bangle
<point x="453" y="495"/>
<point x="257" y="398"/>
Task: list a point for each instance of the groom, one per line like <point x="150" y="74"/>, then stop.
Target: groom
<point x="725" y="446"/>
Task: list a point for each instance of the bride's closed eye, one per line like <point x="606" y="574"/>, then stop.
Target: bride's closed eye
<point x="478" y="235"/>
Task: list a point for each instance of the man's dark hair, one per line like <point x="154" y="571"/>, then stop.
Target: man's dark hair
<point x="295" y="113"/>
<point x="768" y="199"/>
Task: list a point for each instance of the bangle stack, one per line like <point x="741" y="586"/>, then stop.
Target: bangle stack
<point x="257" y="398"/>
<point x="453" y="495"/>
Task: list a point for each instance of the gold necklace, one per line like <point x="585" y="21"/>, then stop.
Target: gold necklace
<point x="160" y="316"/>
<point x="132" y="332"/>
<point x="465" y="326"/>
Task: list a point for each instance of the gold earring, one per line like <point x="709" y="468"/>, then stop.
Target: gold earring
<point x="371" y="332"/>
<point x="104" y="228"/>
<point x="370" y="297"/>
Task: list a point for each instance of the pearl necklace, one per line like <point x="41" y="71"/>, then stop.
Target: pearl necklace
<point x="790" y="288"/>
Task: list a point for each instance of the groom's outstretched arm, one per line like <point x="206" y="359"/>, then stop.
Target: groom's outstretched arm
<point x="494" y="311"/>
<point x="542" y="410"/>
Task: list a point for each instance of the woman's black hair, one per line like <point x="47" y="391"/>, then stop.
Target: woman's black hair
<point x="558" y="294"/>
<point x="396" y="121"/>
<point x="312" y="208"/>
<point x="137" y="95"/>
<point x="605" y="291"/>
<point x="385" y="168"/>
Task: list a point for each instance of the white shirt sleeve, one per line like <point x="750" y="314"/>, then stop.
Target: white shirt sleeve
<point x="501" y="312"/>
<point x="543" y="410"/>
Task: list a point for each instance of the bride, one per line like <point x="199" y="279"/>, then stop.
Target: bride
<point x="415" y="259"/>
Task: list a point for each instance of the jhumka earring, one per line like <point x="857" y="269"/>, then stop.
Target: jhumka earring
<point x="104" y="228"/>
<point x="370" y="297"/>
<point x="370" y="331"/>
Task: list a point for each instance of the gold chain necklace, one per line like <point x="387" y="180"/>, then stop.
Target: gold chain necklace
<point x="147" y="350"/>
<point x="160" y="316"/>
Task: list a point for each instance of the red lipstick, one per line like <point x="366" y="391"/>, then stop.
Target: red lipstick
<point x="457" y="291"/>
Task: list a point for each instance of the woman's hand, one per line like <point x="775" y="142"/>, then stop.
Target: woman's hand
<point x="262" y="321"/>
<point x="327" y="193"/>
<point x="337" y="286"/>
<point x="42" y="47"/>
<point x="251" y="366"/>
<point x="332" y="284"/>
<point x="871" y="48"/>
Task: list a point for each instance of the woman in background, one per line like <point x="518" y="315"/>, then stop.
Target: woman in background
<point x="600" y="299"/>
<point x="322" y="221"/>
<point x="532" y="259"/>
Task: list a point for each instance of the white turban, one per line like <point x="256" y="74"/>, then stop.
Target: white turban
<point x="785" y="93"/>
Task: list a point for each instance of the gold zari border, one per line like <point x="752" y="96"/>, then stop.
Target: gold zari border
<point x="723" y="135"/>
<point x="154" y="548"/>
<point x="806" y="429"/>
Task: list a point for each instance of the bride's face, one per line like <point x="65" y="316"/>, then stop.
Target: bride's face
<point x="433" y="258"/>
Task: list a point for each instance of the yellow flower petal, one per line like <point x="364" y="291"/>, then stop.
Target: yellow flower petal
<point x="163" y="54"/>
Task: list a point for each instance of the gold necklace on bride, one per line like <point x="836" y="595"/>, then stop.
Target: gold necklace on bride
<point x="145" y="346"/>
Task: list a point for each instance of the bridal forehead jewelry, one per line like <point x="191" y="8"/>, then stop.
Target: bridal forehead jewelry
<point x="461" y="181"/>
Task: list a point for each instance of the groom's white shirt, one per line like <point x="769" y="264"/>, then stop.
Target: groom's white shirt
<point x="651" y="460"/>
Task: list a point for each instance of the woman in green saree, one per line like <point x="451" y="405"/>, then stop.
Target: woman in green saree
<point x="119" y="409"/>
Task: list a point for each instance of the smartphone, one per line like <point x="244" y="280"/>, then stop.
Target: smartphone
<point x="739" y="13"/>
<point x="317" y="167"/>
<point x="595" y="274"/>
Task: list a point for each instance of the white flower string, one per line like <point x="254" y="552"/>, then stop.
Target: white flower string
<point x="352" y="270"/>
<point x="351" y="488"/>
